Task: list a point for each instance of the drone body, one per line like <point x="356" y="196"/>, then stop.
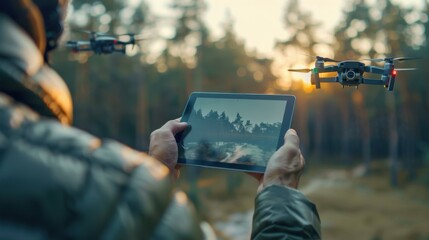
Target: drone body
<point x="102" y="44"/>
<point x="352" y="72"/>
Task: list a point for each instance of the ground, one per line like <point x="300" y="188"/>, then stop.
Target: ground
<point x="351" y="205"/>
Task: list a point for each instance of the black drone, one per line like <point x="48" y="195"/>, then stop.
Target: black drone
<point x="101" y="43"/>
<point x="351" y="72"/>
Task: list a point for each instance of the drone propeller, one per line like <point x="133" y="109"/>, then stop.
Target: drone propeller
<point x="94" y="34"/>
<point x="303" y="70"/>
<point x="320" y="58"/>
<point x="326" y="59"/>
<point x="405" y="69"/>
<point x="91" y="32"/>
<point x="128" y="34"/>
<point x="139" y="38"/>
<point x="400" y="59"/>
<point x="390" y="59"/>
<point x="132" y="36"/>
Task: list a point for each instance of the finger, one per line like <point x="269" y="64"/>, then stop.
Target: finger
<point x="179" y="127"/>
<point x="176" y="174"/>
<point x="291" y="137"/>
<point x="175" y="126"/>
<point x="257" y="176"/>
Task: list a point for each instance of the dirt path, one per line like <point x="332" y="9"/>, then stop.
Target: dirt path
<point x="350" y="206"/>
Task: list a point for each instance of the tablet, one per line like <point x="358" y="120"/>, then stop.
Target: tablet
<point x="234" y="131"/>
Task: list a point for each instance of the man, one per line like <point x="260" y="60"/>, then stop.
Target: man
<point x="57" y="182"/>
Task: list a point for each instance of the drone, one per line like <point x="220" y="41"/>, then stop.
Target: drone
<point x="351" y="72"/>
<point x="101" y="43"/>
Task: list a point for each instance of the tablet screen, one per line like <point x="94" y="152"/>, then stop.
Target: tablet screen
<point x="234" y="131"/>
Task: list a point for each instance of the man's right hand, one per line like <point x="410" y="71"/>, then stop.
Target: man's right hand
<point x="286" y="165"/>
<point x="163" y="145"/>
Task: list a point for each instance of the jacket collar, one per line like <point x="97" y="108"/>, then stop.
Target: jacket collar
<point x="18" y="47"/>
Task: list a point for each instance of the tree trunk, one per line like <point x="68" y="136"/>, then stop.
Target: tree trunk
<point x="345" y="117"/>
<point x="409" y="118"/>
<point x="318" y="136"/>
<point x="301" y="123"/>
<point x="142" y="116"/>
<point x="82" y="95"/>
<point x="393" y="138"/>
<point x="361" y="112"/>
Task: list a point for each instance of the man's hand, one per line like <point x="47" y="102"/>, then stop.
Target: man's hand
<point x="286" y="165"/>
<point x="163" y="145"/>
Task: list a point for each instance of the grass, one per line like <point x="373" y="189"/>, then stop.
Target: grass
<point x="368" y="207"/>
<point x="350" y="206"/>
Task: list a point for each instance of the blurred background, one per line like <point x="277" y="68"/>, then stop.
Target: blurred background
<point x="367" y="149"/>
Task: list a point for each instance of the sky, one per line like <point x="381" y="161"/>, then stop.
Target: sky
<point x="260" y="24"/>
<point x="253" y="16"/>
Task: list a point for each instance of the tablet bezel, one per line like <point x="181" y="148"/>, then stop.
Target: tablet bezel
<point x="286" y="123"/>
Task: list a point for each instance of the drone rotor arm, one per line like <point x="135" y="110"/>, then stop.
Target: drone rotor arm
<point x="83" y="49"/>
<point x="77" y="43"/>
<point x="79" y="46"/>
<point x="71" y="43"/>
<point x="120" y="50"/>
<point x="327" y="69"/>
<point x="332" y="79"/>
<point x="373" y="81"/>
<point x="373" y="69"/>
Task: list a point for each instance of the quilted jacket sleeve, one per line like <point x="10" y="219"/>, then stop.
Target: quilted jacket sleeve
<point x="58" y="182"/>
<point x="284" y="213"/>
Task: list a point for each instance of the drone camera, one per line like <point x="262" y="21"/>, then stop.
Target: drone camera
<point x="350" y="75"/>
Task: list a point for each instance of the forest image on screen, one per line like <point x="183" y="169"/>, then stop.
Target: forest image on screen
<point x="241" y="131"/>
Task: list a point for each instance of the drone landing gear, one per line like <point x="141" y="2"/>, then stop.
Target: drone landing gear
<point x="391" y="84"/>
<point x="317" y="80"/>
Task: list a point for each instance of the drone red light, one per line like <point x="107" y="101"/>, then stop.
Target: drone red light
<point x="394" y="72"/>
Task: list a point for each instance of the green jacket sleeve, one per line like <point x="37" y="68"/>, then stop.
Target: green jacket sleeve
<point x="284" y="213"/>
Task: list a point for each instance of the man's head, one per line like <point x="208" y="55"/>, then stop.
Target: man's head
<point x="53" y="13"/>
<point x="31" y="82"/>
<point x="41" y="19"/>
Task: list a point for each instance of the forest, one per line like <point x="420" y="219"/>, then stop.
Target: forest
<point x="126" y="97"/>
<point x="218" y="127"/>
<point x="215" y="137"/>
